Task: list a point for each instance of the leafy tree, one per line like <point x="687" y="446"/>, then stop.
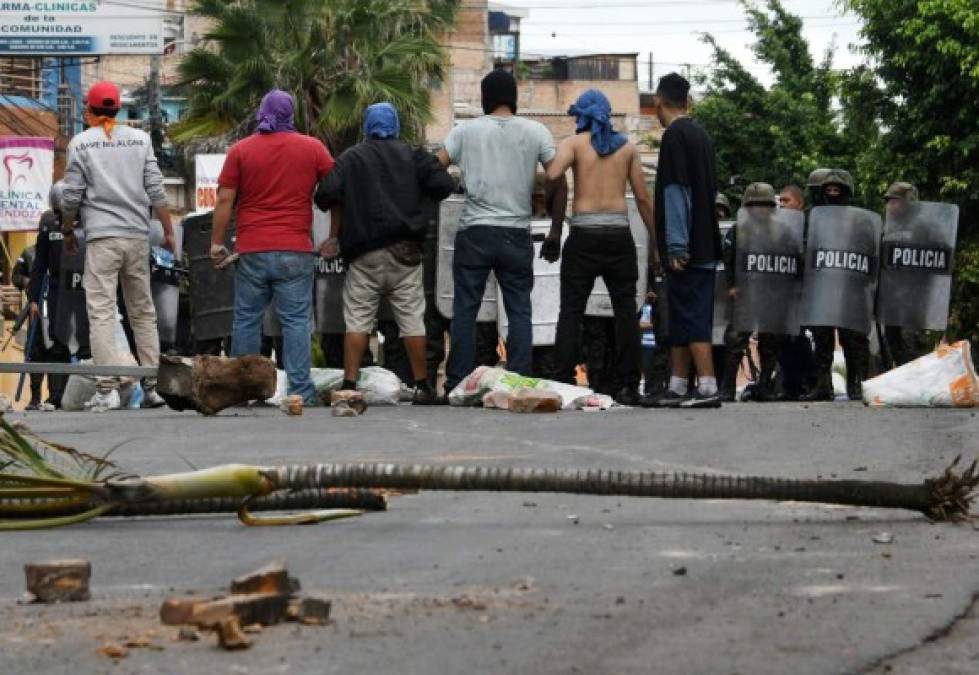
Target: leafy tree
<point x="335" y="56"/>
<point x="777" y="134"/>
<point x="925" y="61"/>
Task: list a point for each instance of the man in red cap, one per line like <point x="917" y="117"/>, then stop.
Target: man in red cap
<point x="112" y="182"/>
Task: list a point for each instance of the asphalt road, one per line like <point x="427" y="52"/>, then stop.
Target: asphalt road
<point x="509" y="583"/>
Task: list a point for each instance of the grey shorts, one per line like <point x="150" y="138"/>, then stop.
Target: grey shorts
<point x="375" y="275"/>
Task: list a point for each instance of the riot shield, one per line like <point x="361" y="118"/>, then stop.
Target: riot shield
<point x="599" y="302"/>
<point x="916" y="264"/>
<point x="449" y="214"/>
<point x="212" y="291"/>
<point x="841" y="268"/>
<point x="768" y="270"/>
<point x="165" y="282"/>
<point x="71" y="314"/>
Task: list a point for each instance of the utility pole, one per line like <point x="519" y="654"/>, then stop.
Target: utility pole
<point x="153" y="96"/>
<point x="652" y="86"/>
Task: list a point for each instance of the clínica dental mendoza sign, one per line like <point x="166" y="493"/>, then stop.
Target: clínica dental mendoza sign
<point x="26" y="169"/>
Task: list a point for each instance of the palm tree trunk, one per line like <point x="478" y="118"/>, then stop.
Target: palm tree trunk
<point x="944" y="498"/>
<point x="364" y="500"/>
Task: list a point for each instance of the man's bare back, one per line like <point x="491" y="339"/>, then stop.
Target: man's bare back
<point x="599" y="182"/>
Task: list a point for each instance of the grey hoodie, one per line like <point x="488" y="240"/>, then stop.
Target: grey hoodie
<point x="112" y="182"/>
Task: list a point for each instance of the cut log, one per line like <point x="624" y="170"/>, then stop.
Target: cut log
<point x="59" y="580"/>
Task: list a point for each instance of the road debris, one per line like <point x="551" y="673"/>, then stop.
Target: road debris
<point x="113" y="650"/>
<point x="58" y="580"/>
<point x="273" y="578"/>
<point x="5" y="404"/>
<point x="209" y="384"/>
<point x="230" y="635"/>
<point x="315" y="611"/>
<point x="292" y="405"/>
<point x="347" y="403"/>
<point x="883" y="538"/>
<point x="188" y="634"/>
<point x="680" y="572"/>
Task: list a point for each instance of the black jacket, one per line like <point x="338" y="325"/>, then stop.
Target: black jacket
<point x="382" y="185"/>
<point x="47" y="257"/>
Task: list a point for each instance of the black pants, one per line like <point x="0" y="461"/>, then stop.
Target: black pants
<point x="856" y="352"/>
<point x="905" y="345"/>
<point x="796" y="361"/>
<point x="587" y="256"/>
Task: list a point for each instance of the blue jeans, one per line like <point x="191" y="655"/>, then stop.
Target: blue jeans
<point x="509" y="252"/>
<point x="285" y="278"/>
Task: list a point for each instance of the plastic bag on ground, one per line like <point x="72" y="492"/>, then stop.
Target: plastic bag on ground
<point x="473" y="390"/>
<point x="379" y="385"/>
<point x="946" y="378"/>
<point x="524" y="400"/>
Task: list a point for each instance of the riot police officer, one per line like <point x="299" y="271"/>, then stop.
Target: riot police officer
<point x="44" y="289"/>
<point x="837" y="190"/>
<point x="763" y="269"/>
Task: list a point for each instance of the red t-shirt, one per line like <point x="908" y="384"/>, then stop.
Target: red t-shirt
<point x="274" y="176"/>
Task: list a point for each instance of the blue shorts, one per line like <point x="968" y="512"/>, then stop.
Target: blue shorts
<point x="690" y="306"/>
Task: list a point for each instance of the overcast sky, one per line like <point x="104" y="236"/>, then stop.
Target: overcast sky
<point x="671" y="30"/>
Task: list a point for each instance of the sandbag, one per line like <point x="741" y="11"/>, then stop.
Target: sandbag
<point x="946" y="378"/>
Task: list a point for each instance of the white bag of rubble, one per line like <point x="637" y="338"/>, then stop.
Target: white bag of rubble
<point x="946" y="378"/>
<point x="379" y="385"/>
<point x="483" y="380"/>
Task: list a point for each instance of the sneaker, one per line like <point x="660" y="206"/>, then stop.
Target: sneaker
<point x="628" y="397"/>
<point x="424" y="396"/>
<point x="650" y="400"/>
<point x="670" y="399"/>
<point x="104" y="402"/>
<point x="699" y="400"/>
<point x="33" y="405"/>
<point x="46" y="407"/>
<point x="151" y="399"/>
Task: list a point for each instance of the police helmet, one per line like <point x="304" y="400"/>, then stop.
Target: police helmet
<point x="902" y="190"/>
<point x="759" y="194"/>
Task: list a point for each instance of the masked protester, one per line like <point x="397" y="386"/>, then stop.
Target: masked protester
<point x="112" y="182"/>
<point x="600" y="244"/>
<point x="268" y="180"/>
<point x="837" y="190"/>
<point x="380" y="185"/>
<point x="498" y="154"/>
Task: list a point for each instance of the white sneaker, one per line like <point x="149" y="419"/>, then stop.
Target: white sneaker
<point x="151" y="399"/>
<point x="104" y="402"/>
<point x="46" y="407"/>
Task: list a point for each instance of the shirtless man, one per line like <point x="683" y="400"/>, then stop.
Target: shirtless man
<point x="600" y="243"/>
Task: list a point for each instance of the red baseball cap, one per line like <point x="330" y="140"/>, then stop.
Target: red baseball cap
<point x="103" y="95"/>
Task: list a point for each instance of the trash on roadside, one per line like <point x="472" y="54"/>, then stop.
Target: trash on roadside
<point x="473" y="389"/>
<point x="945" y="378"/>
<point x="347" y="403"/>
<point x="523" y="400"/>
<point x="378" y="385"/>
<point x="883" y="538"/>
<point x="58" y="580"/>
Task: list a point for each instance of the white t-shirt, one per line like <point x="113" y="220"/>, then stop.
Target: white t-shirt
<point x="498" y="157"/>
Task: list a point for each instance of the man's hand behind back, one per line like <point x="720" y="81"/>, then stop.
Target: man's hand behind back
<point x="550" y="250"/>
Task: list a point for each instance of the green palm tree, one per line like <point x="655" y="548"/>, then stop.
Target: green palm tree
<point x="336" y="57"/>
